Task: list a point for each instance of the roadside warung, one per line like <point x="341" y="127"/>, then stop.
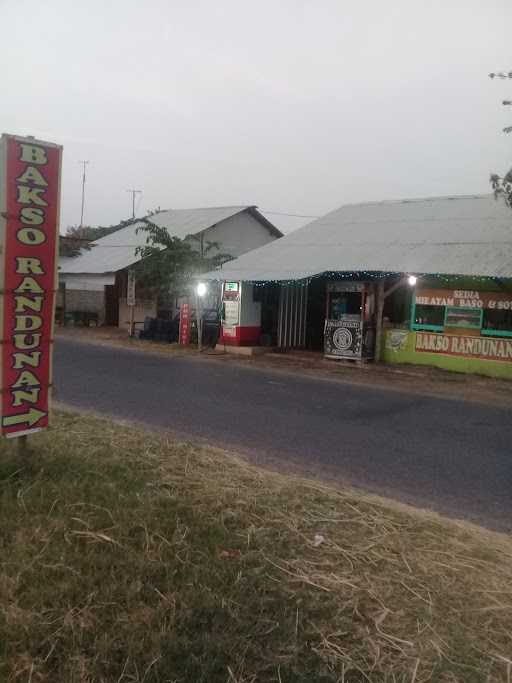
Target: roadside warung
<point x="29" y="215"/>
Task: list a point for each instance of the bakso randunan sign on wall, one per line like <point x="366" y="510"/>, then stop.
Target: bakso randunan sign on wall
<point x="459" y="345"/>
<point x="29" y="211"/>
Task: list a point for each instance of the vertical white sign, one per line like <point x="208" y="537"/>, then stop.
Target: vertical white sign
<point x="130" y="292"/>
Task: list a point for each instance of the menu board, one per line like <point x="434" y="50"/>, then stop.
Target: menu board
<point x="343" y="338"/>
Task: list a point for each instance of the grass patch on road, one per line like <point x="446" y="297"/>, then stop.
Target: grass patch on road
<point x="126" y="557"/>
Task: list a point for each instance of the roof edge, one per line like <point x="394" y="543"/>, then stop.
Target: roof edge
<point x="256" y="213"/>
<point x="415" y="200"/>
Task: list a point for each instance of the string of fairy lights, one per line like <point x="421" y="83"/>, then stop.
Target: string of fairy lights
<point x="361" y="276"/>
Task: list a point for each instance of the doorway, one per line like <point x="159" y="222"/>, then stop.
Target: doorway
<point x="111" y="306"/>
<point x="316" y="314"/>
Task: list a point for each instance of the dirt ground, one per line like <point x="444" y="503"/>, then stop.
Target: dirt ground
<point x="422" y="380"/>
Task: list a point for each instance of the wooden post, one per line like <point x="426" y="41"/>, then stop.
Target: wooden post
<point x="378" y="326"/>
<point x="22" y="446"/>
<point x="130" y="300"/>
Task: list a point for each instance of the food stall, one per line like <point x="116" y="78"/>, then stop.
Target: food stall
<point x="464" y="330"/>
<point x="462" y="322"/>
<point x="349" y="330"/>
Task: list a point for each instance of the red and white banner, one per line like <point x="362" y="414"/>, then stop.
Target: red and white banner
<point x="185" y="322"/>
<point x="29" y="216"/>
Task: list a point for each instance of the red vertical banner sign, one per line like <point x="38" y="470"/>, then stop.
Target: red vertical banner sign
<point x="185" y="324"/>
<point x="29" y="216"/>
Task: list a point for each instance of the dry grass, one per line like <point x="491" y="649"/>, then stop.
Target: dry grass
<point x="128" y="558"/>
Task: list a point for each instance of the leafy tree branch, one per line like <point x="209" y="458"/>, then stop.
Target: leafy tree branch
<point x="169" y="264"/>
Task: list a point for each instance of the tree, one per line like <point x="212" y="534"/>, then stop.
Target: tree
<point x="78" y="237"/>
<point x="169" y="264"/>
<point x="75" y="239"/>
<point x="502" y="185"/>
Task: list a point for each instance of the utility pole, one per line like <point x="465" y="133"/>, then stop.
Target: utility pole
<point x="83" y="193"/>
<point x="504" y="75"/>
<point x="133" y="193"/>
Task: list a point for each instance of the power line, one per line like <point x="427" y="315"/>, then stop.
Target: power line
<point x="292" y="215"/>
<point x="103" y="246"/>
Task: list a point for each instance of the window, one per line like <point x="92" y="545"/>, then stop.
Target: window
<point x="428" y="318"/>
<point x="487" y="313"/>
<point x="497" y="323"/>
<point x="463" y="317"/>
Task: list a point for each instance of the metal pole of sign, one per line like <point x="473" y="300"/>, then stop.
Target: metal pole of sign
<point x="200" y="292"/>
<point x="199" y="321"/>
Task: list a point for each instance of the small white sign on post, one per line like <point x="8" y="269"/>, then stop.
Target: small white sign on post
<point x="130" y="292"/>
<point x="130" y="301"/>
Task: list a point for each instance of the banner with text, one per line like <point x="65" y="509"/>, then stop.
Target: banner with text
<point x="184" y="332"/>
<point x="464" y="298"/>
<point x="29" y="214"/>
<point x="458" y="345"/>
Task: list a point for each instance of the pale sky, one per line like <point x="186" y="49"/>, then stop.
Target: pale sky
<point x="297" y="107"/>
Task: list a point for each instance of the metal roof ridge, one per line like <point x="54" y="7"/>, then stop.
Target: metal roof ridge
<point x="205" y="208"/>
<point x="145" y="219"/>
<point x="412" y="200"/>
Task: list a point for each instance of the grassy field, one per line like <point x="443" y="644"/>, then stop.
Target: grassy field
<point x="125" y="557"/>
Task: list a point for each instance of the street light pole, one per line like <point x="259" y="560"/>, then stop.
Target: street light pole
<point x="201" y="290"/>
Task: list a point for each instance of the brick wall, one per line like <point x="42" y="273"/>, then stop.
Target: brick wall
<point x="86" y="301"/>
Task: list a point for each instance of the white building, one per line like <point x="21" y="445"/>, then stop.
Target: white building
<point x="95" y="281"/>
<point x="423" y="281"/>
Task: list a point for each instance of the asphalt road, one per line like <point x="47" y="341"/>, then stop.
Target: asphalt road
<point x="451" y="456"/>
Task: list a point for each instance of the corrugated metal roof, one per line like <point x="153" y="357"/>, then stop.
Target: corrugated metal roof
<point x="468" y="235"/>
<point x="117" y="251"/>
